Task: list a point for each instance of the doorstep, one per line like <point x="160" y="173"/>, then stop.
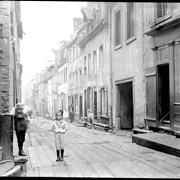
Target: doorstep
<point x="158" y="141"/>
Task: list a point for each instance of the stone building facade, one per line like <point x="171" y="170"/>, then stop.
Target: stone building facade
<point x="123" y="65"/>
<point x="162" y="65"/>
<point x="126" y="54"/>
<point x="10" y="77"/>
<point x="10" y="67"/>
<point x="89" y="70"/>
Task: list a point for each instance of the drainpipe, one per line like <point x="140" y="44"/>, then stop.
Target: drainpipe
<point x="143" y="60"/>
<point x="110" y="59"/>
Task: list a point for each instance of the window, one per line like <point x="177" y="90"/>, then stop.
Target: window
<point x="76" y="79"/>
<point x="89" y="65"/>
<point x="163" y="12"/>
<point x="101" y="56"/>
<point x="117" y="28"/>
<point x="161" y="9"/>
<point x="130" y="20"/>
<point x="73" y="53"/>
<point x="94" y="62"/>
<point x="66" y="74"/>
<point x="76" y="103"/>
<point x="80" y="78"/>
<point x="104" y="101"/>
<point x="70" y="55"/>
<point x="85" y="65"/>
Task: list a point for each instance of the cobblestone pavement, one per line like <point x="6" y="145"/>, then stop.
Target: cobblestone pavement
<point x="93" y="153"/>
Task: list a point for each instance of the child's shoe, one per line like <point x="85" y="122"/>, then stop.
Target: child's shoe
<point x="58" y="159"/>
<point x="62" y="155"/>
<point x="57" y="155"/>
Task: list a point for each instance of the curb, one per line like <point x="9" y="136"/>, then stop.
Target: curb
<point x="15" y="171"/>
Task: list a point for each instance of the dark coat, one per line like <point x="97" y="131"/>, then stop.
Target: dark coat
<point x="20" y="123"/>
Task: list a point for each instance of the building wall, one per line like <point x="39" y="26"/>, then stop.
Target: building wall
<point x="63" y="89"/>
<point x="99" y="75"/>
<point x="10" y="67"/>
<point x="128" y="62"/>
<point x="169" y="54"/>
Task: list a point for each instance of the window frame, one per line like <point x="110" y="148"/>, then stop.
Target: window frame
<point x="132" y="38"/>
<point x="163" y="18"/>
<point x="94" y="69"/>
<point x="101" y="56"/>
<point x="120" y="28"/>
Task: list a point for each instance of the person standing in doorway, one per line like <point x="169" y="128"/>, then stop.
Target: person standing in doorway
<point x="20" y="125"/>
<point x="59" y="127"/>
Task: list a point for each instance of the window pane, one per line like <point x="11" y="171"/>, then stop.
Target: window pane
<point x="117" y="28"/>
<point x="161" y="9"/>
<point x="130" y="20"/>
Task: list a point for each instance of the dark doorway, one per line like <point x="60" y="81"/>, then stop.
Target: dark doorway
<point x="125" y="105"/>
<point x="95" y="104"/>
<point x="80" y="107"/>
<point x="163" y="93"/>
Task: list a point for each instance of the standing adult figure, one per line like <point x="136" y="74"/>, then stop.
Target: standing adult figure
<point x="71" y="112"/>
<point x="20" y="125"/>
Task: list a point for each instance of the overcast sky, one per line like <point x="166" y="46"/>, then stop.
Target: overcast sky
<point x="45" y="24"/>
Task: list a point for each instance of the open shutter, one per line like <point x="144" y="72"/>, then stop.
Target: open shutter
<point x="151" y="99"/>
<point x="177" y="86"/>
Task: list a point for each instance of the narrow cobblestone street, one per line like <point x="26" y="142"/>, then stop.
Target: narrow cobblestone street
<point x="93" y="153"/>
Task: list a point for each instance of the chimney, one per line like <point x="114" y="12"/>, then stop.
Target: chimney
<point x="77" y="22"/>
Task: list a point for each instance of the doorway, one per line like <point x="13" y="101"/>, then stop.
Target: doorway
<point x="125" y="105"/>
<point x="95" y="104"/>
<point x="163" y="93"/>
<point x="80" y="106"/>
<point x="85" y="107"/>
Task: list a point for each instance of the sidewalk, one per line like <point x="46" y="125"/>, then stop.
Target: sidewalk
<point x="19" y="162"/>
<point x="158" y="141"/>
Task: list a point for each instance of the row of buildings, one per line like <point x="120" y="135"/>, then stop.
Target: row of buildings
<point x="10" y="77"/>
<point x="122" y="66"/>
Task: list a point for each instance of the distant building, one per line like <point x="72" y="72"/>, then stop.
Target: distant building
<point x="94" y="44"/>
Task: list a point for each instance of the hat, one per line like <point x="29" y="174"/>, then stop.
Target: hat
<point x="20" y="105"/>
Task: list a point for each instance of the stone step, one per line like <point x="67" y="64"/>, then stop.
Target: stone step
<point x="101" y="125"/>
<point x="177" y="134"/>
<point x="5" y="166"/>
<point x="0" y="153"/>
<point x="158" y="141"/>
<point x="167" y="129"/>
<point x="166" y="122"/>
<point x="139" y="131"/>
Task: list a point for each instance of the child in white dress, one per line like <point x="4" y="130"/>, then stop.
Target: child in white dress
<point x="59" y="127"/>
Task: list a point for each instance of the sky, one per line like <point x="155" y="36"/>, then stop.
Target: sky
<point x="45" y="24"/>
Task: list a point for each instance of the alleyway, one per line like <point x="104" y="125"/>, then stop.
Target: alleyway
<point x="93" y="153"/>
